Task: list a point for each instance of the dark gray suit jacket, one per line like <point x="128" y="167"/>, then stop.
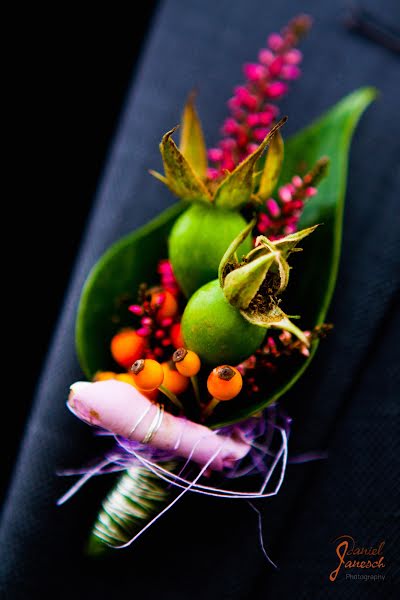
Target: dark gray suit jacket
<point x="346" y="402"/>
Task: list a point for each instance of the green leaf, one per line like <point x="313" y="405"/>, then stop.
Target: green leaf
<point x="272" y="167"/>
<point x="116" y="277"/>
<point x="180" y="177"/>
<point x="314" y="274"/>
<point x="192" y="143"/>
<point x="236" y="189"/>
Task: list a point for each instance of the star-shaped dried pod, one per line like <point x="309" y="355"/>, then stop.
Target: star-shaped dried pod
<point x="255" y="283"/>
<point x="185" y="167"/>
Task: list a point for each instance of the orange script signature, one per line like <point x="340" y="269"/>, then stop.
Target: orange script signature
<point x="347" y="549"/>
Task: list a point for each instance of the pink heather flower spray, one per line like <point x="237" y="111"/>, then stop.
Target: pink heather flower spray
<point x="252" y="108"/>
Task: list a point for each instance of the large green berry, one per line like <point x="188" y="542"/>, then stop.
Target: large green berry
<point x="216" y="330"/>
<point x="198" y="241"/>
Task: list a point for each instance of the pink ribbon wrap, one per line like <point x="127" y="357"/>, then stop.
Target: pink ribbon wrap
<point x="121" y="409"/>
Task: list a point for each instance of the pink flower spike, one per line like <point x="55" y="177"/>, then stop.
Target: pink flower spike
<point x="251" y="148"/>
<point x="297" y="181"/>
<point x="265" y="118"/>
<point x="289" y="229"/>
<point x="310" y="192"/>
<point x="290" y="72"/>
<point x="275" y="42"/>
<point x="230" y="126"/>
<point x="212" y="173"/>
<point x="146" y="321"/>
<point x="159" y="334"/>
<point x="228" y="163"/>
<point x="233" y="103"/>
<point x="143" y="331"/>
<point x="275" y="67"/>
<point x="276" y="89"/>
<point x="285" y="194"/>
<point x="262" y="227"/>
<point x="135" y="309"/>
<point x="260" y="133"/>
<point x="265" y="56"/>
<point x="214" y="154"/>
<point x="166" y="322"/>
<point x="253" y="119"/>
<point x="272" y="109"/>
<point x="241" y="93"/>
<point x="293" y="57"/>
<point x="228" y="144"/>
<point x="273" y="208"/>
<point x="254" y="71"/>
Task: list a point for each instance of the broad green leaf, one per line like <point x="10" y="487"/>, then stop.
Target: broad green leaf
<point x="134" y="258"/>
<point x="236" y="189"/>
<point x="112" y="283"/>
<point x="314" y="274"/>
<point x="179" y="175"/>
<point x="192" y="143"/>
<point x="272" y="167"/>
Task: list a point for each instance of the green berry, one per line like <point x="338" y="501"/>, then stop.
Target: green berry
<point x="216" y="330"/>
<point x="198" y="241"/>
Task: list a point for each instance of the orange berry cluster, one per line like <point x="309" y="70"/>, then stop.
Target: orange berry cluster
<point x="147" y="375"/>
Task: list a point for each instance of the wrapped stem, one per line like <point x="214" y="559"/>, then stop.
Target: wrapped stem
<point x="137" y="497"/>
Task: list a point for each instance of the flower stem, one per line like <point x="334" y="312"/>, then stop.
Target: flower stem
<point x="210" y="407"/>
<point x="196" y="389"/>
<point x="174" y="399"/>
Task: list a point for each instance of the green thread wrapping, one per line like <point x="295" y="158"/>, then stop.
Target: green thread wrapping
<point x="137" y="497"/>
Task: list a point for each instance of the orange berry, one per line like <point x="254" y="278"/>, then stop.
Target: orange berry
<point x="168" y="305"/>
<point x="129" y="378"/>
<point x="147" y="373"/>
<point x="104" y="376"/>
<point x="224" y="382"/>
<point x="176" y="336"/>
<point x="186" y="362"/>
<point x="126" y="347"/>
<point x="173" y="380"/>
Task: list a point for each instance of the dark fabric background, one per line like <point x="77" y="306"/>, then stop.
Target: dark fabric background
<point x="346" y="402"/>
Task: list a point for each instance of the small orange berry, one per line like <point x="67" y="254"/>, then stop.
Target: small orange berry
<point x="186" y="362"/>
<point x="126" y="347"/>
<point x="103" y="376"/>
<point x="224" y="382"/>
<point x="148" y="374"/>
<point x="129" y="378"/>
<point x="173" y="380"/>
<point x="167" y="303"/>
<point x="175" y="333"/>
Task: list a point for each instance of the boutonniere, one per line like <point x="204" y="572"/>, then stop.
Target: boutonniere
<point x="190" y="329"/>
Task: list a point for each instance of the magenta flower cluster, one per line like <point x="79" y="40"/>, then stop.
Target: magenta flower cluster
<point x="281" y="215"/>
<point x="252" y="111"/>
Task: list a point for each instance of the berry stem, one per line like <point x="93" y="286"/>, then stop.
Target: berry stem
<point x="209" y="408"/>
<point x="174" y="399"/>
<point x="196" y="389"/>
